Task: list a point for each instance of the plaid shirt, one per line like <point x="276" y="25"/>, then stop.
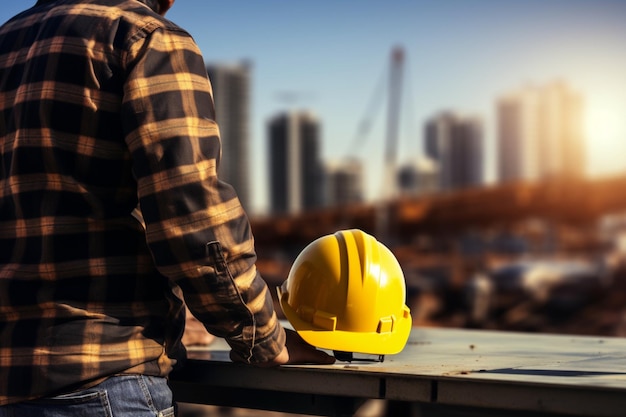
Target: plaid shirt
<point x="106" y="107"/>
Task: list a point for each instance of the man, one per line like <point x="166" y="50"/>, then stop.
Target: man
<point x="111" y="212"/>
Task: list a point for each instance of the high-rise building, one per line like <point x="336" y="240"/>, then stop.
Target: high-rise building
<point x="294" y="162"/>
<point x="231" y="94"/>
<point x="540" y="133"/>
<point x="418" y="176"/>
<point x="456" y="144"/>
<point x="344" y="182"/>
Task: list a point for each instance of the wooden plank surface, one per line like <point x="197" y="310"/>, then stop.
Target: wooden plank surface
<point x="535" y="373"/>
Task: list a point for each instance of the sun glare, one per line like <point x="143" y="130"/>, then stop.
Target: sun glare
<point x="606" y="135"/>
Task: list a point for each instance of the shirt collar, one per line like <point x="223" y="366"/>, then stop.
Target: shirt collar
<point x="153" y="4"/>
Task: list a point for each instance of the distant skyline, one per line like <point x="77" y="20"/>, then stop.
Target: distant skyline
<point x="461" y="55"/>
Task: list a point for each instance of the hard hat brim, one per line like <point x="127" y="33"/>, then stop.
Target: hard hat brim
<point x="373" y="343"/>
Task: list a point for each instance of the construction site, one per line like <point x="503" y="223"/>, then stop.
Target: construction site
<point x="541" y="259"/>
<point x="540" y="251"/>
<point x="545" y="257"/>
<point x="542" y="254"/>
<point x="532" y="255"/>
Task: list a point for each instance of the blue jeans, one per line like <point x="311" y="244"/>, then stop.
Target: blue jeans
<point x="118" y="396"/>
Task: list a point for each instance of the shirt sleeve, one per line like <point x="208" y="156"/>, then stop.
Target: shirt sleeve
<point x="196" y="228"/>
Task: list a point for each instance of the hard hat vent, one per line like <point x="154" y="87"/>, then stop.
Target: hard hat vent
<point x="385" y="325"/>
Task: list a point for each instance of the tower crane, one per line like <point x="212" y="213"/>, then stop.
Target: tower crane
<point x="394" y="84"/>
<point x="394" y="99"/>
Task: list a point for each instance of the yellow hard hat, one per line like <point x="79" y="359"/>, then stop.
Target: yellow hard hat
<point x="346" y="292"/>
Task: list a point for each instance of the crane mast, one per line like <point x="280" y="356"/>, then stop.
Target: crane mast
<point x="393" y="122"/>
<point x="389" y="190"/>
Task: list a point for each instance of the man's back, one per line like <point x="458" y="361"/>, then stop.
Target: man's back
<point x="78" y="285"/>
<point x="111" y="210"/>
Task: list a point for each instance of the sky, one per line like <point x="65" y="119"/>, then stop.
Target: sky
<point x="332" y="58"/>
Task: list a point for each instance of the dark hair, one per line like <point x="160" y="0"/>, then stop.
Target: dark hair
<point x="153" y="4"/>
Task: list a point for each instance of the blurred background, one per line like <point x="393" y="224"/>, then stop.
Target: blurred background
<point x="483" y="141"/>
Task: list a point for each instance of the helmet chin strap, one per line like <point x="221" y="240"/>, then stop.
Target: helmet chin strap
<point x="349" y="357"/>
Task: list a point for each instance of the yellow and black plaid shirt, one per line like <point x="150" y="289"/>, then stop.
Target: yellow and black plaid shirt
<point x="106" y="107"/>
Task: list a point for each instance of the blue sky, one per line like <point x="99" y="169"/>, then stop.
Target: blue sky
<point x="460" y="55"/>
